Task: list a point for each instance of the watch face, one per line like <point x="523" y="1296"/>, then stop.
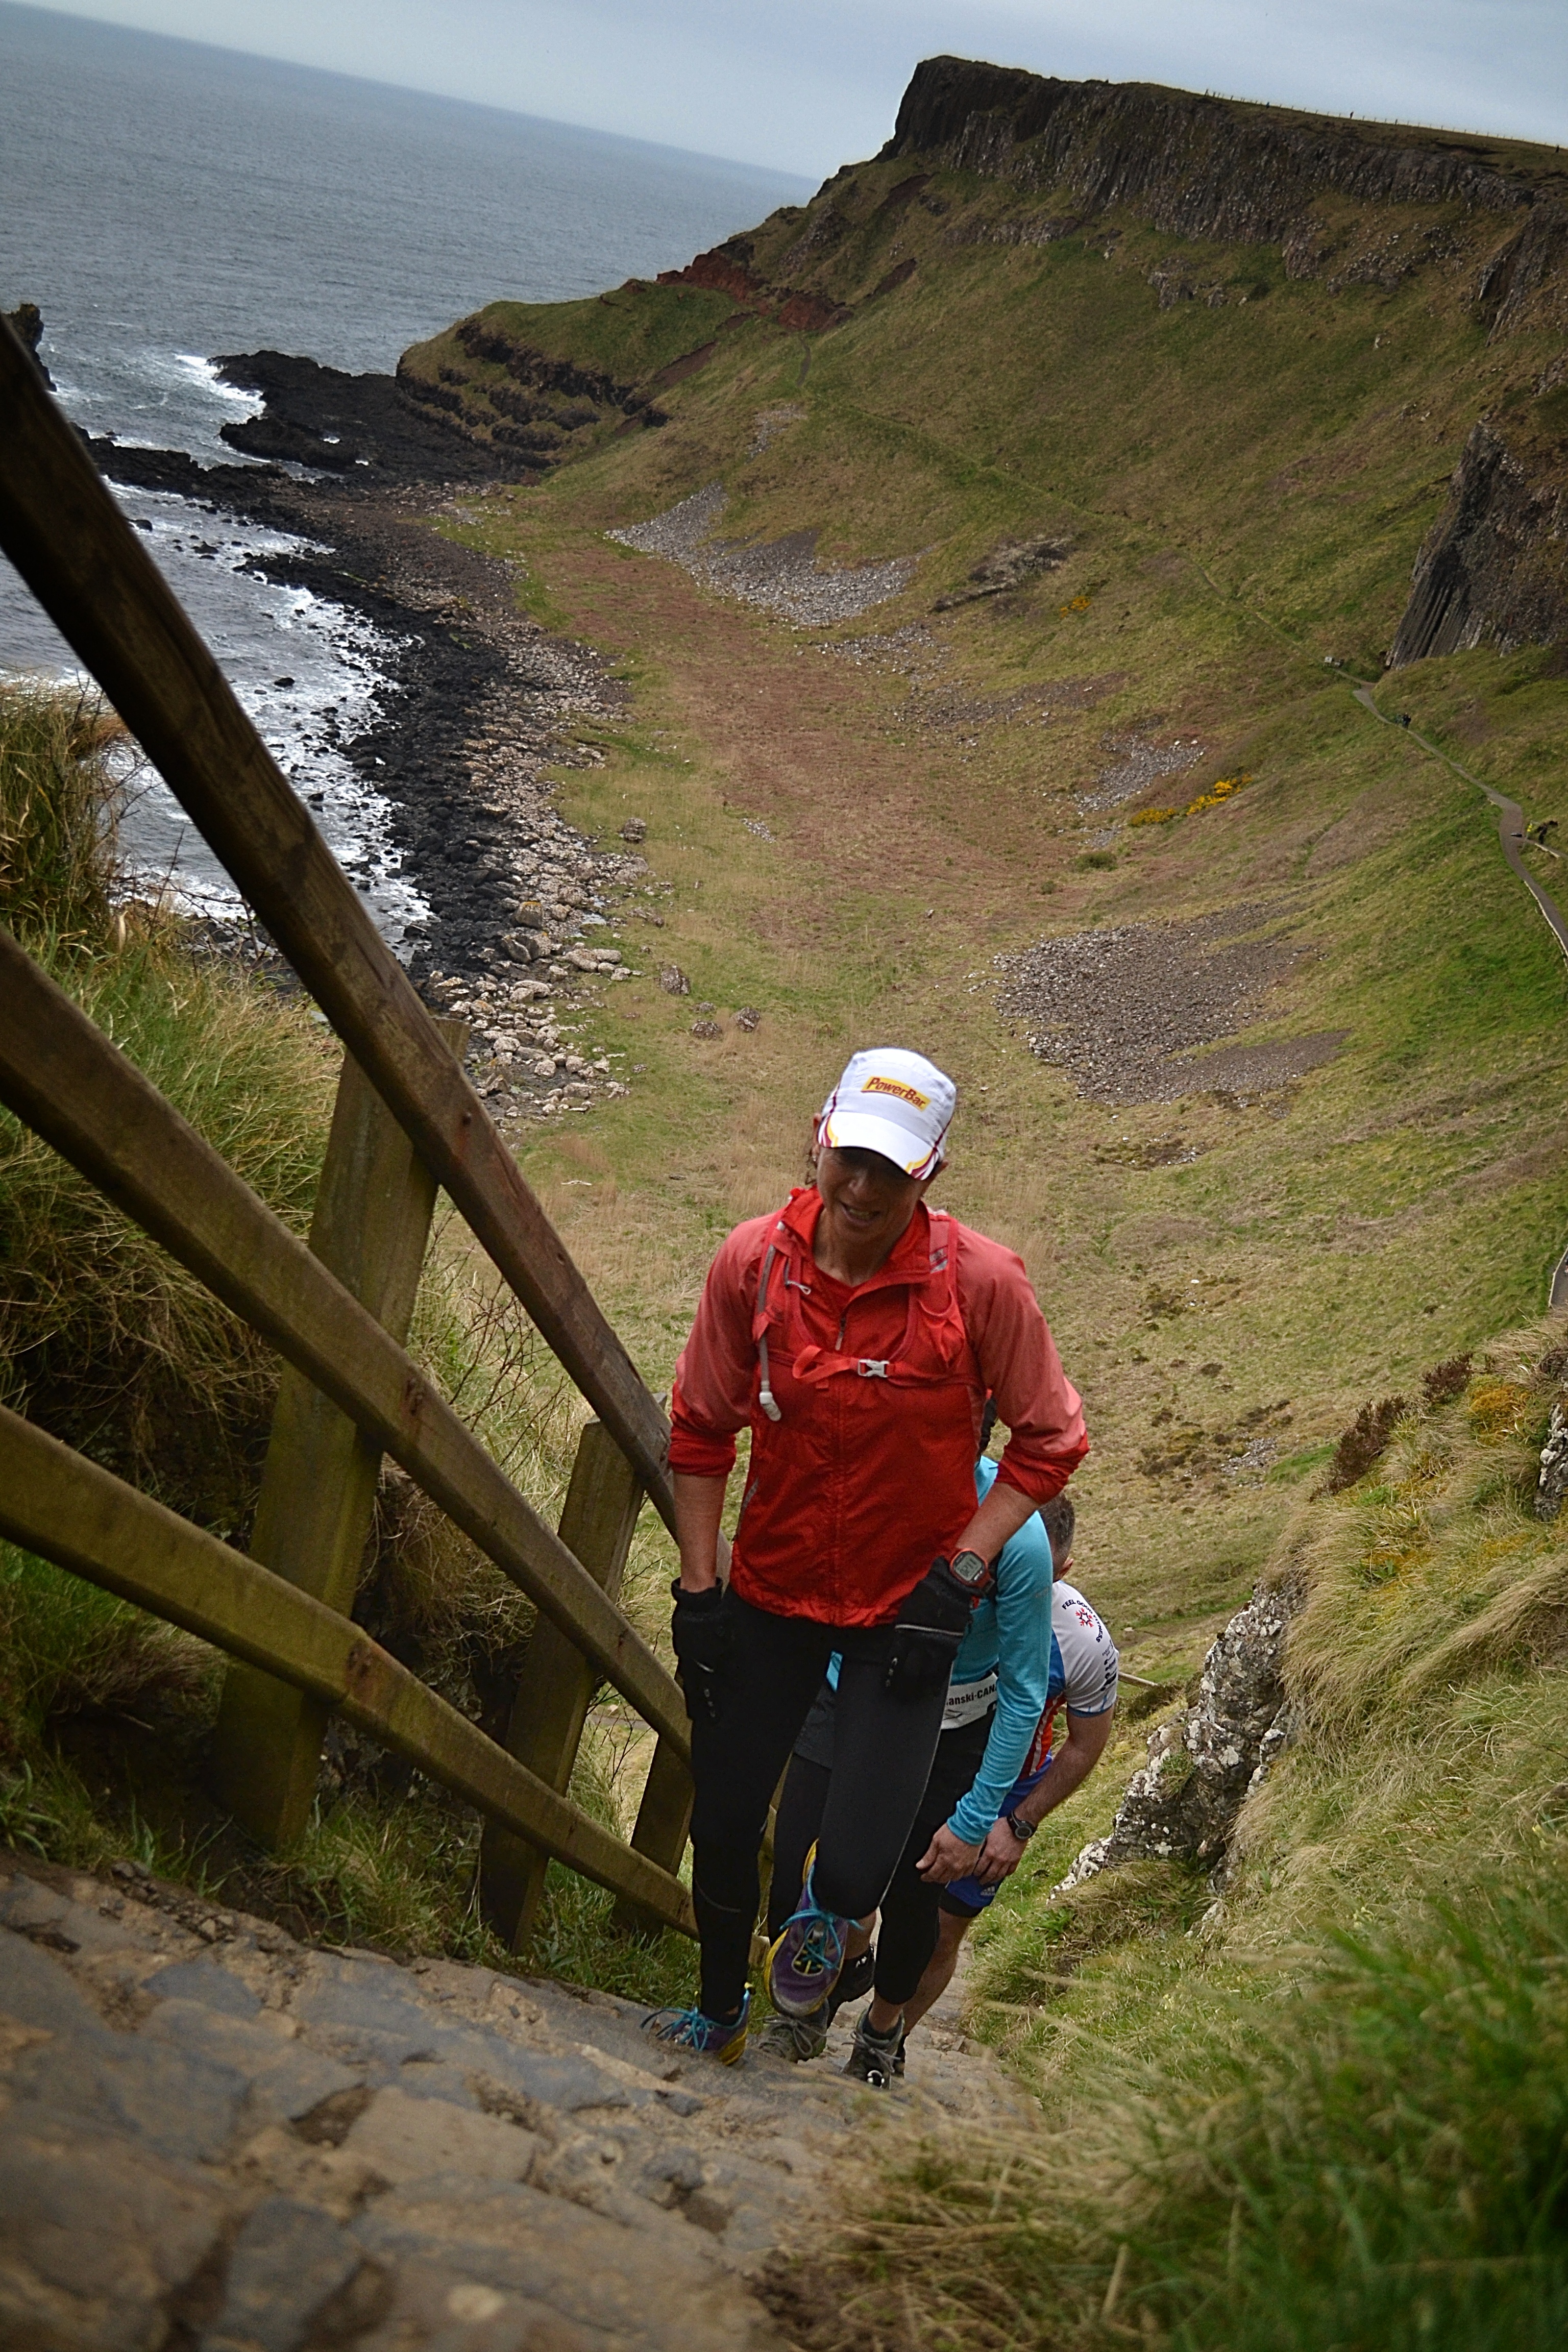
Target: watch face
<point x="969" y="1566"/>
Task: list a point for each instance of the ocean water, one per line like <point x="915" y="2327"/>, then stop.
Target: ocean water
<point x="163" y="203"/>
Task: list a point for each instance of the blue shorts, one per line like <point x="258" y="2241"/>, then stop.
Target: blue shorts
<point x="965" y="1897"/>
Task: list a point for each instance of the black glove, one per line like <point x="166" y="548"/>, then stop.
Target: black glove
<point x="930" y="1625"/>
<point x="701" y="1638"/>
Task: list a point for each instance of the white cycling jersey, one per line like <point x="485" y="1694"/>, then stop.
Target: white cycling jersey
<point x="1085" y="1668"/>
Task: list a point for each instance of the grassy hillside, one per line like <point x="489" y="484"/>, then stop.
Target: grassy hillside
<point x="1325" y="2106"/>
<point x="1256" y="2132"/>
<point x="1241" y="481"/>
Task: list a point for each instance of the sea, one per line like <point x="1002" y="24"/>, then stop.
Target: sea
<point x="163" y="202"/>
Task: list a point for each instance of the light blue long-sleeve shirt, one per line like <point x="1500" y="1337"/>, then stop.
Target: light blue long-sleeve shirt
<point x="1010" y="1631"/>
<point x="1010" y="1635"/>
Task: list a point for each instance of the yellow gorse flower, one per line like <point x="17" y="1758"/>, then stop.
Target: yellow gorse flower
<point x="1217" y="793"/>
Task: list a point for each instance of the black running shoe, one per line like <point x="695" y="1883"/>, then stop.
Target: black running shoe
<point x="855" y="1981"/>
<point x="874" y="2057"/>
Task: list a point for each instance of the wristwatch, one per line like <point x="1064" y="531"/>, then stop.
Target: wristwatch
<point x="1022" y="1831"/>
<point x="970" y="1568"/>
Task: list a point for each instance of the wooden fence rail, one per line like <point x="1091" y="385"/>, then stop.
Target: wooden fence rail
<point x="62" y="1076"/>
<point x="336" y="1311"/>
<point x="67" y="1510"/>
<point x="61" y="528"/>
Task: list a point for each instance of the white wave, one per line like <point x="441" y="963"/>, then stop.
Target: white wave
<point x="310" y="672"/>
<point x="203" y="373"/>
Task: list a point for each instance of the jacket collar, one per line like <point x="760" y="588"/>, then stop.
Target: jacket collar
<point x="910" y="1259"/>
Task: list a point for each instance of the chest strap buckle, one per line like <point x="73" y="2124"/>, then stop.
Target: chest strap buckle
<point x="873" y="1368"/>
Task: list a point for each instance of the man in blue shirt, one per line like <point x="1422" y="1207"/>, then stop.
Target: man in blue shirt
<point x="1085" y="1671"/>
<point x="998" y="1700"/>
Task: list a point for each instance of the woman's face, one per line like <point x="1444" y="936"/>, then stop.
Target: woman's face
<point x="867" y="1202"/>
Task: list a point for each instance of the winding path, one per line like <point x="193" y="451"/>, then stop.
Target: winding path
<point x="1511" y="816"/>
<point x="1511" y="833"/>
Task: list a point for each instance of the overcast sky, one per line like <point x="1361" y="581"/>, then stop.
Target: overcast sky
<point x="807" y="86"/>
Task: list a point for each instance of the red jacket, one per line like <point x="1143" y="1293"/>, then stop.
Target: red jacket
<point x="869" y="1473"/>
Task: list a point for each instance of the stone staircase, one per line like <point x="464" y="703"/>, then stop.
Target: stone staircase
<point x="216" y="2139"/>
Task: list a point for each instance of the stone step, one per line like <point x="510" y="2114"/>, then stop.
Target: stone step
<point x="217" y="2136"/>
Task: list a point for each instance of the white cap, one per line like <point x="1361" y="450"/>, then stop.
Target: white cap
<point x="893" y="1102"/>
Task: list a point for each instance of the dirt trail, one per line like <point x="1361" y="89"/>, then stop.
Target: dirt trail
<point x="1511" y="833"/>
<point x="804" y="743"/>
<point x="1509" y="821"/>
<point x="217" y="2138"/>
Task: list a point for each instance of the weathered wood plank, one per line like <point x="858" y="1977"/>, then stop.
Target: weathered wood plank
<point x="371" y="1222"/>
<point x="664" y="1820"/>
<point x="78" y="1090"/>
<point x="68" y="1510"/>
<point x="557" y="1684"/>
<point x="67" y="537"/>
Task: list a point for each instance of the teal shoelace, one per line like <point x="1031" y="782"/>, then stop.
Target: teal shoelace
<point x="821" y="1947"/>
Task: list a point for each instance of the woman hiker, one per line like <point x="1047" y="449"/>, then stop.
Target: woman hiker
<point x="859" y="1333"/>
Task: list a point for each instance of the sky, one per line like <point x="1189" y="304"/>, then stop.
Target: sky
<point x="816" y="83"/>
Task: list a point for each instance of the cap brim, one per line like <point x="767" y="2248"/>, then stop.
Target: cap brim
<point x="858" y="1130"/>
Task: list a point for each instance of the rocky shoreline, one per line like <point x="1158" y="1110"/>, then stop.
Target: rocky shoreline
<point x="481" y="703"/>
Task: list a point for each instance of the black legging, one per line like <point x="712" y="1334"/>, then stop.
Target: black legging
<point x="883" y="1749"/>
<point x="906" y="1937"/>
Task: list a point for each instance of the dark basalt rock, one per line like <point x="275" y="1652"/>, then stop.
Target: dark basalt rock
<point x="29" y="322"/>
<point x="1493" y="565"/>
<point x="539" y="371"/>
<point x="1194" y="166"/>
<point x="342" y="423"/>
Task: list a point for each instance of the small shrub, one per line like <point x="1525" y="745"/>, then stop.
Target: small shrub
<point x="1361" y="1444"/>
<point x="1095" y="861"/>
<point x="1501" y="1409"/>
<point x="1444" y="1382"/>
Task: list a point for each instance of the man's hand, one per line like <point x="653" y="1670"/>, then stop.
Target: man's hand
<point x="1000" y="1856"/>
<point x="946" y="1858"/>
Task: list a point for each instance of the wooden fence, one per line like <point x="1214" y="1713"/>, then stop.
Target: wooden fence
<point x="337" y="1309"/>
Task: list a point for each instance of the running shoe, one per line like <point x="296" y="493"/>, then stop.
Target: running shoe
<point x="898" y="2061"/>
<point x="806" y="1960"/>
<point x="798" y="2038"/>
<point x="710" y="2037"/>
<point x="859" y="1975"/>
<point x="795" y="2039"/>
<point x="874" y="2057"/>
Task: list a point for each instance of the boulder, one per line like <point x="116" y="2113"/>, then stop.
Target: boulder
<point x="1183" y="1801"/>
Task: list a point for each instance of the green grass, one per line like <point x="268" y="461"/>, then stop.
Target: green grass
<point x="105" y="1711"/>
<point x="1326" y="2109"/>
<point x="1374" y="2157"/>
<point x="1301" y="2109"/>
<point x="102" y="1337"/>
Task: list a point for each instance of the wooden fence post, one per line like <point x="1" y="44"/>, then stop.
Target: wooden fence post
<point x="663" y="1817"/>
<point x="557" y="1684"/>
<point x="370" y="1225"/>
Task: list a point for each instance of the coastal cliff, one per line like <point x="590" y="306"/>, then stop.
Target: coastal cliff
<point x="1200" y="167"/>
<point x="1364" y="234"/>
